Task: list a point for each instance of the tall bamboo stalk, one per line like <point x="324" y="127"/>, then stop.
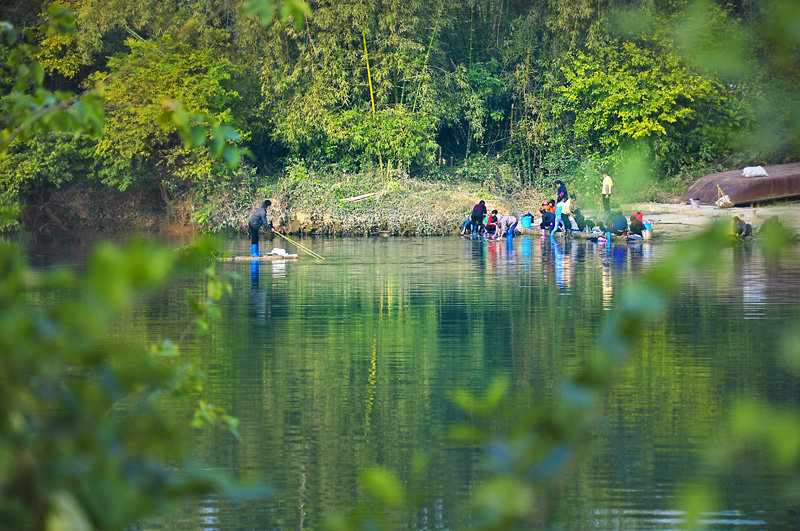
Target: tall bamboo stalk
<point x="425" y="63"/>
<point x="371" y="93"/>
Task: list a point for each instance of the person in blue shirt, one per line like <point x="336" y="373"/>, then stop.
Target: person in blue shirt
<point x="258" y="220"/>
<point x="558" y="219"/>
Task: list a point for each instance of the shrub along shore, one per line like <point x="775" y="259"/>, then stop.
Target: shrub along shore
<point x="309" y="201"/>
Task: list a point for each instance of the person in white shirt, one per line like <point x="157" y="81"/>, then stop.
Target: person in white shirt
<point x="608" y="190"/>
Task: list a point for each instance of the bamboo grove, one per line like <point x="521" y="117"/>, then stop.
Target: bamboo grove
<point x="545" y="89"/>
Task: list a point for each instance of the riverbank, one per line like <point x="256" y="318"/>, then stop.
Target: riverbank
<point x="359" y="205"/>
<point x="674" y="220"/>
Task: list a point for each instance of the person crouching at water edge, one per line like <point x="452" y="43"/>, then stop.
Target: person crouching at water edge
<point x="257" y="220"/>
<point x="741" y="229"/>
<point x="547" y="210"/>
<point x="491" y="225"/>
<point x="505" y="227"/>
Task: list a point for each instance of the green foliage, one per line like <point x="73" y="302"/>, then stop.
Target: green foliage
<point x="221" y="203"/>
<point x="30" y="107"/>
<point x="148" y="134"/>
<point x="83" y="438"/>
<point x="57" y="50"/>
<point x="266" y="10"/>
<point x="318" y="94"/>
<point x="757" y="54"/>
<point x="622" y="93"/>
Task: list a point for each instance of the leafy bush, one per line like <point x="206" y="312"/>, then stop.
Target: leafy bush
<point x="83" y="439"/>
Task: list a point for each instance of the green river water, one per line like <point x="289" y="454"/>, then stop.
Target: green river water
<point x="336" y="365"/>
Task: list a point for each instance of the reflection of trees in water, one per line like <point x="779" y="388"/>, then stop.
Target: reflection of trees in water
<point x="353" y="367"/>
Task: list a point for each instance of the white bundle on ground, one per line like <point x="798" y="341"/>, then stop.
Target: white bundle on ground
<point x="724" y="202"/>
<point x="278" y="251"/>
<point x="754" y="171"/>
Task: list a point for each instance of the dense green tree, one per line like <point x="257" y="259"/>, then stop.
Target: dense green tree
<point x="320" y="82"/>
<point x="28" y="107"/>
<point x="139" y="86"/>
<point x="548" y="87"/>
<point x="622" y="93"/>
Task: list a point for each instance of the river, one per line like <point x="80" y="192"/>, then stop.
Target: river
<point x="337" y="365"/>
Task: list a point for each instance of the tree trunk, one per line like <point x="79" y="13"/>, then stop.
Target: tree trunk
<point x="159" y="178"/>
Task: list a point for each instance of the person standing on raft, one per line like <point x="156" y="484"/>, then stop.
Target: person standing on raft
<point x="257" y="220"/>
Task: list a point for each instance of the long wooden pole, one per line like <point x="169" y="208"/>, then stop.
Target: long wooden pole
<point x="306" y="249"/>
<point x="371" y="93"/>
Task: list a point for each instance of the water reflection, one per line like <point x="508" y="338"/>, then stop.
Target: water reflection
<point x="335" y="366"/>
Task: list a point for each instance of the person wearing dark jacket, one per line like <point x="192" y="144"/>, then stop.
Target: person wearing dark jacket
<point x="615" y="223"/>
<point x="637" y="226"/>
<point x="548" y="216"/>
<point x="741" y="229"/>
<point x="478" y="213"/>
<point x="258" y="220"/>
<point x="561" y="191"/>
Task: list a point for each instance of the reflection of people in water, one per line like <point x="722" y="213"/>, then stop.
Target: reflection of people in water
<point x="608" y="287"/>
<point x="558" y="262"/>
<point x="258" y="300"/>
<point x="525" y="247"/>
<point x="254" y="270"/>
<point x="563" y="265"/>
<point x="478" y="253"/>
<point x="619" y="255"/>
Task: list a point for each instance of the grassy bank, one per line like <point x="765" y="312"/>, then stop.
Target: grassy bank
<point x="327" y="201"/>
<point x="322" y="201"/>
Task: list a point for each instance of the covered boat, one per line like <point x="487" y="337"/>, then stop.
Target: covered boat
<point x="782" y="181"/>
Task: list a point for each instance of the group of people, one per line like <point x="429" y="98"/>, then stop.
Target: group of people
<point x="566" y="216"/>
<point x="557" y="215"/>
<point x="490" y="225"/>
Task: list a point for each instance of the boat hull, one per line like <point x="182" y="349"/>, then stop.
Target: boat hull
<point x="782" y="181"/>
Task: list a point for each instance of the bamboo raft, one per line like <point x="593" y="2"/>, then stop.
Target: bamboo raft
<point x="265" y="258"/>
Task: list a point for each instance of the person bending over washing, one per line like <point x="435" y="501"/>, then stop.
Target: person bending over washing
<point x="741" y="229"/>
<point x="505" y="227"/>
<point x="637" y="226"/>
<point x="619" y="224"/>
<point x="491" y="223"/>
<point x="478" y="213"/>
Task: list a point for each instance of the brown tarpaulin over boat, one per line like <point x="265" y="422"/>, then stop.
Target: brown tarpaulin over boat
<point x="783" y="180"/>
